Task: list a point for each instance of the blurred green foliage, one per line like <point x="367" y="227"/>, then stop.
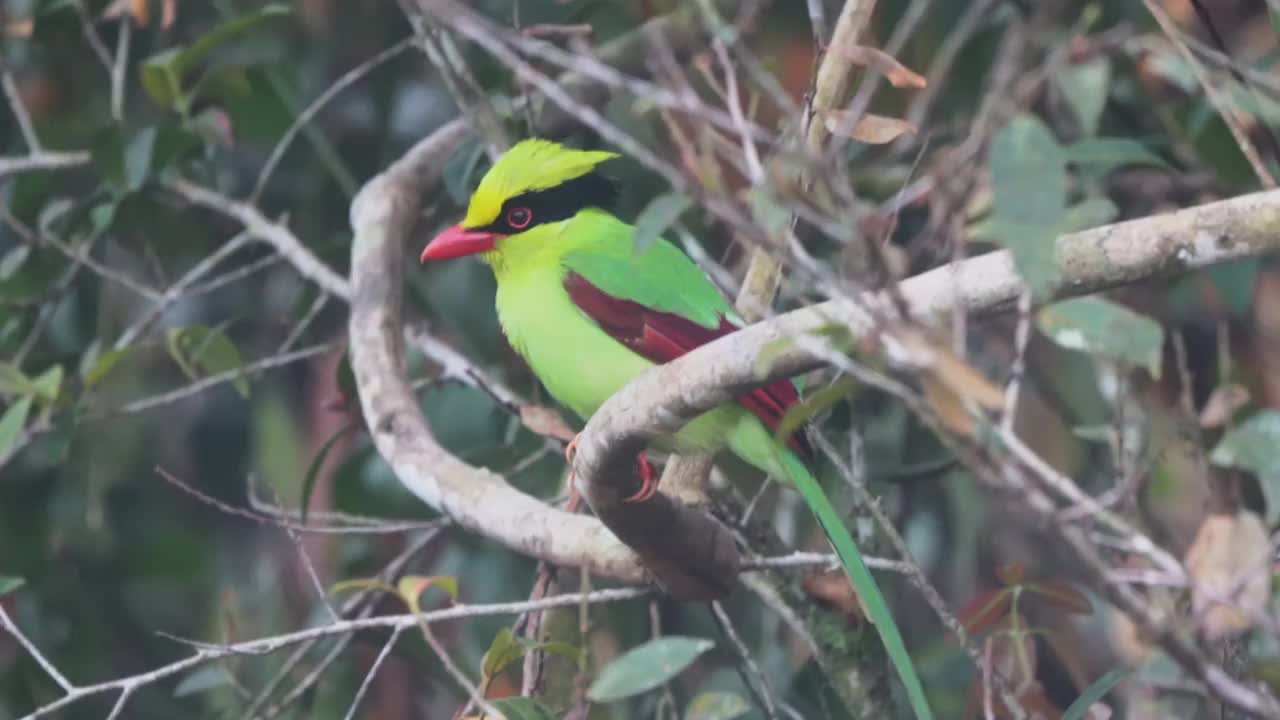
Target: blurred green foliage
<point x="99" y="554"/>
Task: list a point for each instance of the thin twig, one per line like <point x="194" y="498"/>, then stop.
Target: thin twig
<point x="1231" y="115"/>
<point x="373" y="670"/>
<point x="119" y="69"/>
<point x="7" y="623"/>
<point x="757" y="684"/>
<point x="273" y="644"/>
<point x="19" y="110"/>
<point x="303" y="118"/>
<point x="261" y="227"/>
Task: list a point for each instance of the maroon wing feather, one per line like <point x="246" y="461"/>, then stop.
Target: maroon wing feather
<point x="663" y="337"/>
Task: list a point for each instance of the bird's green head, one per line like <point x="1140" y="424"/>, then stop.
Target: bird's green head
<point x="535" y="183"/>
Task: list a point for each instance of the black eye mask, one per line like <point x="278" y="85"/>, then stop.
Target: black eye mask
<point x="561" y="202"/>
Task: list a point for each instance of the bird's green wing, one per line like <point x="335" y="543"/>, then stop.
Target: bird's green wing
<point x="661" y="278"/>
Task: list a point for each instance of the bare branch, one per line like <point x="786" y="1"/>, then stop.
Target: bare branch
<point x="273" y="644"/>
<point x="260" y="226"/>
<point x="47" y="160"/>
<point x="1089" y="261"/>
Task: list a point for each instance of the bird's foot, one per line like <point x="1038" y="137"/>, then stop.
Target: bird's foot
<point x="648" y="478"/>
<point x="571" y="505"/>
<point x="648" y="481"/>
<point x="571" y="449"/>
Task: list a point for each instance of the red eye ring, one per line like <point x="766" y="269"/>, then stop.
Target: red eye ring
<point x="519" y="217"/>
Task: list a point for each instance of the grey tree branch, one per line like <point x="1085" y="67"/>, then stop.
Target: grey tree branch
<point x="659" y="401"/>
<point x="265" y="646"/>
<point x="382" y="217"/>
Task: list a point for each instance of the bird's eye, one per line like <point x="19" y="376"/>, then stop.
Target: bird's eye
<point x="519" y="217"/>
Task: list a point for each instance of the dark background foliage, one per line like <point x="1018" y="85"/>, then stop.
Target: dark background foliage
<point x="111" y="555"/>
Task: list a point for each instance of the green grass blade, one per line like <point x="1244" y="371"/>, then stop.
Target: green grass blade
<point x="1094" y="693"/>
<point x="863" y="582"/>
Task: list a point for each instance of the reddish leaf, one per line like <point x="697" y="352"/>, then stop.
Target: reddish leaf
<point x="1062" y="595"/>
<point x="986" y="610"/>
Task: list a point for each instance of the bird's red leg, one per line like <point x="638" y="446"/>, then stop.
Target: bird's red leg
<point x="648" y="481"/>
<point x="571" y="505"/>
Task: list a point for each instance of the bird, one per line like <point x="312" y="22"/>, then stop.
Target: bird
<point x="589" y="311"/>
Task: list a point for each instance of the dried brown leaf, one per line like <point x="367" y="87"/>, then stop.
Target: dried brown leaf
<point x="1062" y="595"/>
<point x="20" y="28"/>
<point x="897" y="73"/>
<point x="139" y="10"/>
<point x="835" y="590"/>
<point x="1226" y="546"/>
<point x="985" y="610"/>
<point x="951" y="385"/>
<point x="545" y="421"/>
<point x="869" y="128"/>
<point x="1223" y="404"/>
<point x="948" y="406"/>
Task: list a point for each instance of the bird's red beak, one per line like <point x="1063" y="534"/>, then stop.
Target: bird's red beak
<point x="458" y="241"/>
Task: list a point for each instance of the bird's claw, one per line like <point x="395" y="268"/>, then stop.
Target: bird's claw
<point x="648" y="482"/>
<point x="574" y="498"/>
<point x="648" y="478"/>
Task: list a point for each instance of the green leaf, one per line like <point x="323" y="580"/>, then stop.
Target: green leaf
<point x="1233" y="282"/>
<point x="317" y="462"/>
<point x="225" y="33"/>
<point x="1105" y="329"/>
<point x="164" y="74"/>
<point x="107" y="151"/>
<point x="657" y="216"/>
<point x="8" y="584"/>
<point x="1029" y="184"/>
<point x="13" y="381"/>
<point x="206" y="678"/>
<point x="160" y="78"/>
<point x="411" y="587"/>
<point x="12" y="422"/>
<point x="103" y="214"/>
<point x="199" y="349"/>
<point x="522" y="708"/>
<point x="504" y="650"/>
<point x="137" y="158"/>
<point x="716" y="706"/>
<point x="13" y="260"/>
<point x="1251" y="446"/>
<point x="224" y="84"/>
<point x="1085" y="86"/>
<point x="1089" y="213"/>
<point x="646" y="667"/>
<point x="1102" y="155"/>
<point x="47" y="384"/>
<point x="95" y="364"/>
<point x="1094" y="693"/>
<point x="1028" y="170"/>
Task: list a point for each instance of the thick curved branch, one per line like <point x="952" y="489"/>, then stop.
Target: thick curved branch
<point x="661" y="400"/>
<point x="382" y="217"/>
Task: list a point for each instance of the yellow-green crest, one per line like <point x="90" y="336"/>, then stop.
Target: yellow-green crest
<point x="529" y="165"/>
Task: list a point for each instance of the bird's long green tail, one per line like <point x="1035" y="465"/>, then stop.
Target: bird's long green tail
<point x="863" y="582"/>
